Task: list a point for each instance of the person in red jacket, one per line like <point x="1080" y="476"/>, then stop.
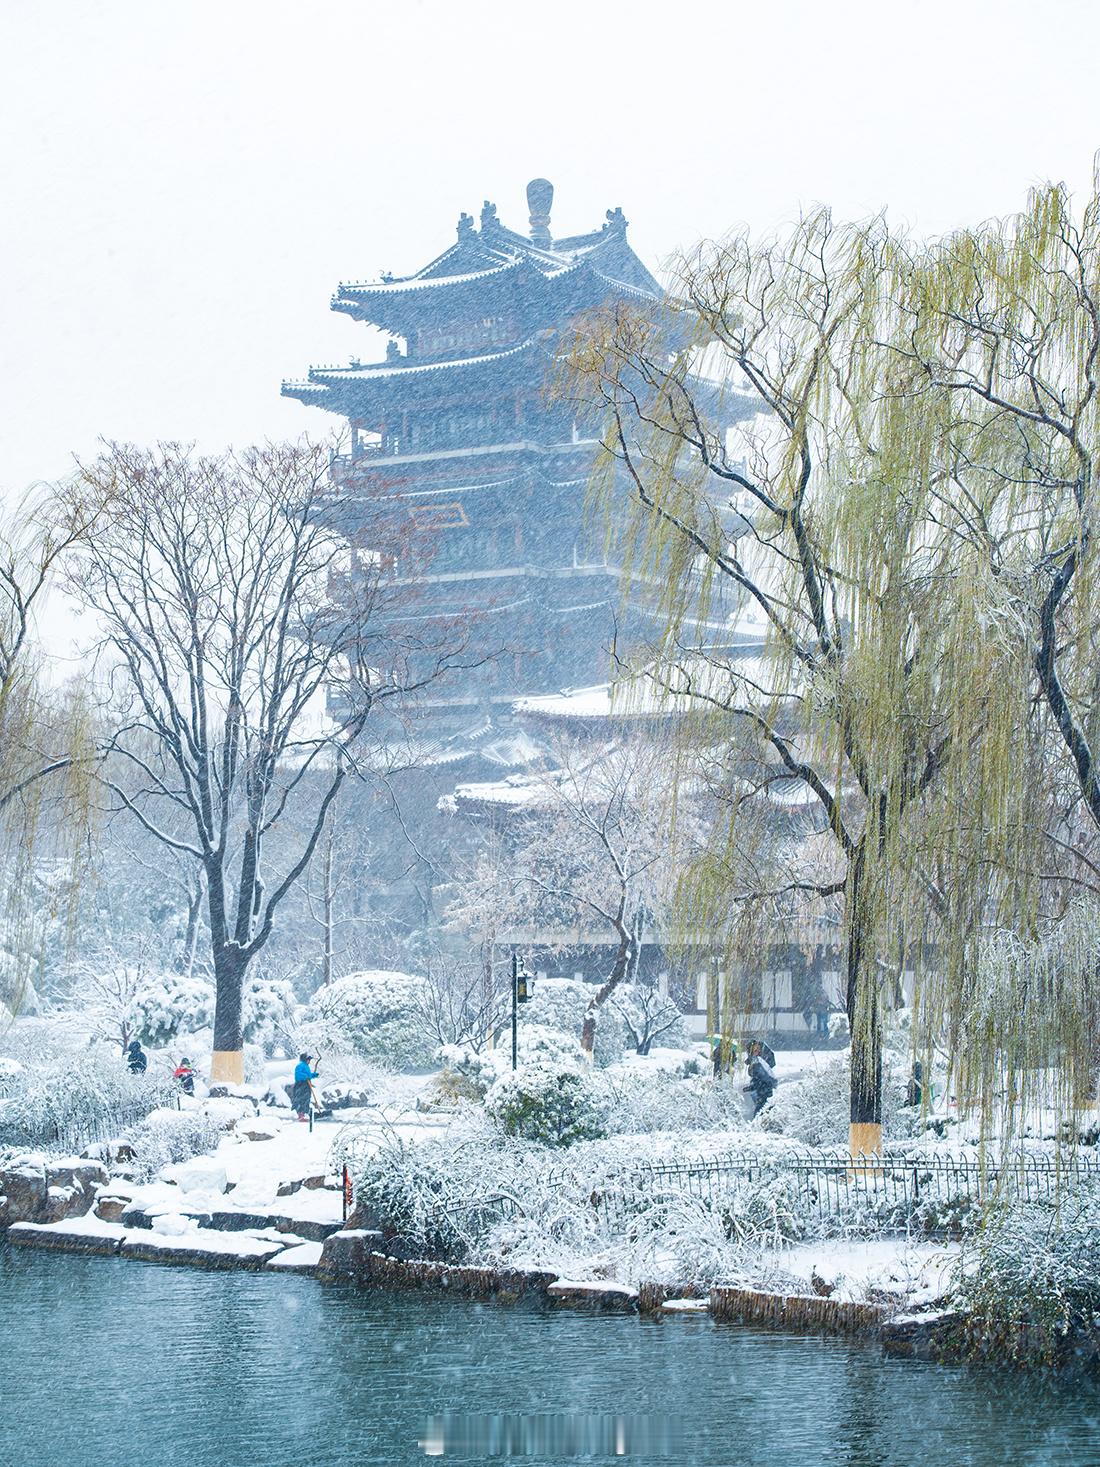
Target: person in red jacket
<point x="184" y="1077"/>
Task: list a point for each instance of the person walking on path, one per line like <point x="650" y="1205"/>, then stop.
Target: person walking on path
<point x="302" y="1094"/>
<point x="762" y="1077"/>
<point x="136" y="1059"/>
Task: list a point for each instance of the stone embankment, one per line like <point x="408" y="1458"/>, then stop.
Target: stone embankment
<point x="39" y="1189"/>
<point x="192" y="1214"/>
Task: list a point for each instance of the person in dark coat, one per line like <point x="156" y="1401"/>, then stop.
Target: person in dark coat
<point x="302" y="1095"/>
<point x="762" y="1077"/>
<point x="136" y="1058"/>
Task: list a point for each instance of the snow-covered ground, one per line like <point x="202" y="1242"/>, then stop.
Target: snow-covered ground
<point x="861" y="1269"/>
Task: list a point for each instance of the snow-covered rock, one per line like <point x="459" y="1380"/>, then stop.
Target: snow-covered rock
<point x="203" y="1174"/>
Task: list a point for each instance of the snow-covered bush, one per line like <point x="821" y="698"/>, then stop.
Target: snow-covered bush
<point x="839" y="1027"/>
<point x="57" y="1095"/>
<point x="266" y="1009"/>
<point x="552" y="1102"/>
<point x="561" y="1003"/>
<point x="1034" y="1263"/>
<point x="815" y="1109"/>
<point x="376" y="1015"/>
<point x="640" y="1101"/>
<point x="169" y="1135"/>
<point x="166" y="1005"/>
<point x="584" y="1211"/>
<point x="534" y="1043"/>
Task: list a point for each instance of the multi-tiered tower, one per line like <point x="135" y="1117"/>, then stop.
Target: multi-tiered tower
<point x="457" y="452"/>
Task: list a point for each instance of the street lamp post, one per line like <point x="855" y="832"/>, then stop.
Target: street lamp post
<point x="522" y="984"/>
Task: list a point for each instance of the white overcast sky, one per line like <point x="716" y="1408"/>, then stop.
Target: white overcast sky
<point x="183" y="184"/>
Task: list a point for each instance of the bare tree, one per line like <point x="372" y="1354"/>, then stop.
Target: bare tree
<point x="647" y="1013"/>
<point x="481" y="895"/>
<point x="107" y="986"/>
<point x="600" y="840"/>
<point x="232" y="607"/>
<point x="456" y="1007"/>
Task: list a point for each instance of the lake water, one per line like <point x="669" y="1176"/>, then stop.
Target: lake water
<point x="108" y="1363"/>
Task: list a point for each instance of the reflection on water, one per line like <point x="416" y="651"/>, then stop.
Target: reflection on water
<point x="113" y="1364"/>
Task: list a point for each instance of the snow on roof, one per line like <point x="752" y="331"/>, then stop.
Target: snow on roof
<point x="594" y="702"/>
<point x="407" y="368"/>
<point x="507" y="251"/>
<point x="513" y="749"/>
<point x="509" y="750"/>
<point x="752" y="673"/>
<point x="413" y="282"/>
<point x="514" y="792"/>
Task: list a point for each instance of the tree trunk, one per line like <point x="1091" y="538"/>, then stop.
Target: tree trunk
<point x="227" y="1062"/>
<point x="488" y="1007"/>
<point x="624" y="961"/>
<point x="191" y="936"/>
<point x="326" y="962"/>
<point x="865" y="1023"/>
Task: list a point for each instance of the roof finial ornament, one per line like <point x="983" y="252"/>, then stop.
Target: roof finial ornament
<point x="615" y="220"/>
<point x="465" y="224"/>
<point x="540" y="197"/>
<point x="489" y="215"/>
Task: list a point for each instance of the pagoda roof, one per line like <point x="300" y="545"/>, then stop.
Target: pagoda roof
<point x="485" y="263"/>
<point x="355" y="390"/>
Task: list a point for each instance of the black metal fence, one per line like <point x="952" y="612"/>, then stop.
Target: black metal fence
<point x="74" y="1132"/>
<point x="937" y="1196"/>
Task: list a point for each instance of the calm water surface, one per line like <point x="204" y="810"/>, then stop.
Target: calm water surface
<point x="114" y="1364"/>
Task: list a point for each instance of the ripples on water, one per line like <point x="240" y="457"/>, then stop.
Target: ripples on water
<point x="113" y="1364"/>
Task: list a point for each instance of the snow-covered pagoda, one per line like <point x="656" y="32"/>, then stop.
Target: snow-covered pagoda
<point x="457" y="451"/>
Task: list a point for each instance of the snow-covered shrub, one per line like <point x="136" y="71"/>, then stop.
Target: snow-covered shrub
<point x="651" y="1018"/>
<point x="561" y="1003"/>
<point x="839" y="1027"/>
<point x="255" y="1066"/>
<point x="168" y="1136"/>
<point x="552" y="1102"/>
<point x="1034" y="1263"/>
<point x="266" y="1009"/>
<point x="430" y="1198"/>
<point x="534" y="1043"/>
<point x="374" y="1014"/>
<point x="166" y="1005"/>
<point x="640" y="1101"/>
<point x="585" y="1211"/>
<point x="815" y="1109"/>
<point x="57" y="1095"/>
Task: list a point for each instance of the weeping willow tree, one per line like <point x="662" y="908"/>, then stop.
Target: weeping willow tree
<point x="823" y="521"/>
<point x="47" y="752"/>
<point x="1001" y="336"/>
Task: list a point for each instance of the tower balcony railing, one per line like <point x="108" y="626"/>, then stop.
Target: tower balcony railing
<point x="343" y="466"/>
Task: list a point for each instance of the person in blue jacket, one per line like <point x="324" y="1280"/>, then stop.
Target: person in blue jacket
<point x="302" y="1095"/>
